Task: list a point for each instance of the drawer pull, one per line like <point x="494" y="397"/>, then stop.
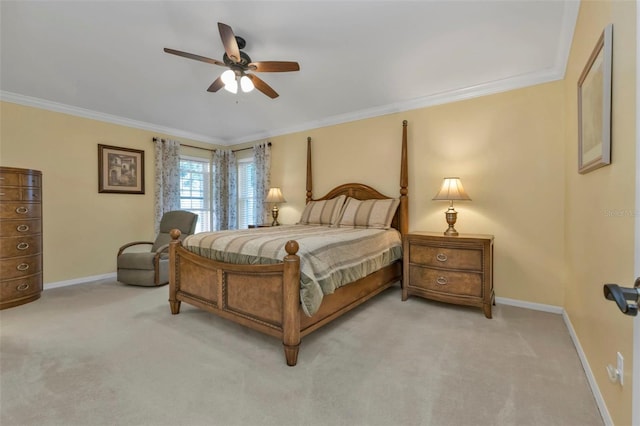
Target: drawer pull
<point x="441" y="257"/>
<point x="23" y="287"/>
<point x="22" y="228"/>
<point x="442" y="281"/>
<point x="22" y="267"/>
<point x="22" y="210"/>
<point x="22" y="246"/>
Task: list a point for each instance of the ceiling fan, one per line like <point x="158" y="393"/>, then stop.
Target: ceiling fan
<point x="239" y="64"/>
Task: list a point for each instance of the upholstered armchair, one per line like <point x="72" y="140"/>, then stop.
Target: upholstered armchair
<point x="151" y="268"/>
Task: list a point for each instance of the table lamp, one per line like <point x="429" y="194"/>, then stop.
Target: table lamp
<point x="451" y="190"/>
<point x="275" y="196"/>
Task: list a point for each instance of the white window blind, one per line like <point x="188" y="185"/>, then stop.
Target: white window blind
<point x="195" y="190"/>
<point x="246" y="193"/>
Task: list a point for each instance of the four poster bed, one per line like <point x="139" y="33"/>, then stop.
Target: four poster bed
<point x="286" y="296"/>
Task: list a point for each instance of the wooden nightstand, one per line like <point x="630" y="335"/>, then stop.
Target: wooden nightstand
<point x="449" y="269"/>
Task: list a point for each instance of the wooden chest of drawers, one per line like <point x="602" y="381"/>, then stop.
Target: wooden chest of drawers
<point x="20" y="236"/>
<point x="449" y="269"/>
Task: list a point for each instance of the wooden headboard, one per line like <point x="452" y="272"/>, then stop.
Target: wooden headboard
<point x="361" y="191"/>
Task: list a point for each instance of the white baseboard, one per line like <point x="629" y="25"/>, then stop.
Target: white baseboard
<point x="604" y="412"/>
<point x="530" y="305"/>
<point x="84" y="280"/>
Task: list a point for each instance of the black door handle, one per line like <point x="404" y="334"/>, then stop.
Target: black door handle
<point x="621" y="294"/>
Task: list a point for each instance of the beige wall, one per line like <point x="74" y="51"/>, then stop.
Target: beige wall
<point x="506" y="148"/>
<point x="82" y="228"/>
<point x="599" y="220"/>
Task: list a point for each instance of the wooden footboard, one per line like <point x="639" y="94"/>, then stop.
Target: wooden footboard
<point x="265" y="298"/>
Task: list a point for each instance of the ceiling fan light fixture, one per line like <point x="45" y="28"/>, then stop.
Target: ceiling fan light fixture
<point x="239" y="63"/>
<point x="228" y="77"/>
<point x="232" y="87"/>
<point x="246" y="84"/>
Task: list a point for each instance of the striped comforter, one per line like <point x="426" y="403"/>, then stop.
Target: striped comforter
<point x="329" y="257"/>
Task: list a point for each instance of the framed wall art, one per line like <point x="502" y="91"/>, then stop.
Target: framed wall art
<point x="594" y="106"/>
<point x="120" y="170"/>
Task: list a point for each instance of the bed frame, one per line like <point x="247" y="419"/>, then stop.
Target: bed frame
<point x="266" y="298"/>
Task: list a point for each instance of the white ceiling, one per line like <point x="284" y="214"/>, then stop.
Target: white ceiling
<point x="105" y="59"/>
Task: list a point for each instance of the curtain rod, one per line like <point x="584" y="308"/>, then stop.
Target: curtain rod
<point x="213" y="150"/>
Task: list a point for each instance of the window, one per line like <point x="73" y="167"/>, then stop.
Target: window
<point x="246" y="193"/>
<point x="195" y="190"/>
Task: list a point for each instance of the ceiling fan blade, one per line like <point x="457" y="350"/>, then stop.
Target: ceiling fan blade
<point x="196" y="57"/>
<point x="274" y="66"/>
<point x="263" y="87"/>
<point x="216" y="85"/>
<point x="229" y="42"/>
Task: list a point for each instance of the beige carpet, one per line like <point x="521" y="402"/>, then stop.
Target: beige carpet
<point x="107" y="354"/>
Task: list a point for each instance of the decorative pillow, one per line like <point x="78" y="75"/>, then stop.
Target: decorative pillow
<point x="369" y="213"/>
<point x="322" y="212"/>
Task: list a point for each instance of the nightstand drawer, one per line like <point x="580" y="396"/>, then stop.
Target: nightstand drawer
<point x="461" y="283"/>
<point x="441" y="257"/>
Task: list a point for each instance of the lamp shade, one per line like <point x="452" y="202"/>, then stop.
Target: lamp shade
<point x="451" y="189"/>
<point x="275" y="196"/>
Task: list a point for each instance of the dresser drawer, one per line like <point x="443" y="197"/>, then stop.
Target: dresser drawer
<point x="20" y="246"/>
<point x="17" y="267"/>
<point x="14" y="228"/>
<point x="451" y="282"/>
<point x="20" y="287"/>
<point x="15" y="210"/>
<point x="8" y="178"/>
<point x="449" y="258"/>
<point x="15" y="194"/>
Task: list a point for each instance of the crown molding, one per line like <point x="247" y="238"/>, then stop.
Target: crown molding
<point x="488" y="88"/>
<point x="108" y="118"/>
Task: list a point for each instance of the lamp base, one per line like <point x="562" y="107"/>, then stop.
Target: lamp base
<point x="451" y="232"/>
<point x="451" y="216"/>
<point x="274" y="214"/>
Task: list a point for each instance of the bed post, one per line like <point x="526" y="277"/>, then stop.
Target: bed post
<point x="404" y="183"/>
<point x="291" y="304"/>
<point x="173" y="284"/>
<point x="309" y="181"/>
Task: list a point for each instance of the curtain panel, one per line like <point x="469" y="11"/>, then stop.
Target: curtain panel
<point x="167" y="180"/>
<point x="225" y="193"/>
<point x="262" y="162"/>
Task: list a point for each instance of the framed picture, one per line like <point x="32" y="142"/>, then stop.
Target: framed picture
<point x="594" y="106"/>
<point x="120" y="170"/>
